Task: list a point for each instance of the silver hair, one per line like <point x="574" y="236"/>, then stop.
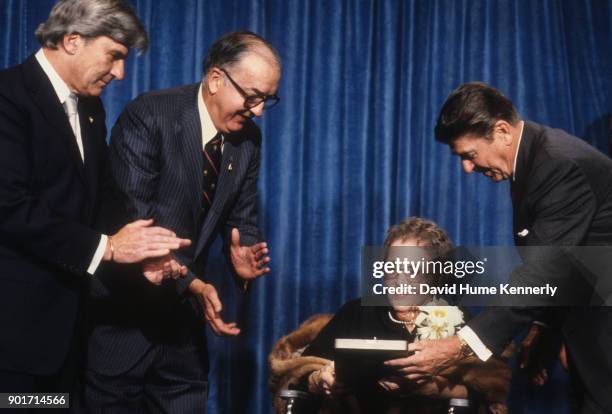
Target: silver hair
<point x="93" y="18"/>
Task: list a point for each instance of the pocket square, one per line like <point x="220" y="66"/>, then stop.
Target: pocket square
<point x="523" y="233"/>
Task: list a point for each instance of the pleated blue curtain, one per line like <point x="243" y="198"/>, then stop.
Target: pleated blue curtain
<point x="350" y="148"/>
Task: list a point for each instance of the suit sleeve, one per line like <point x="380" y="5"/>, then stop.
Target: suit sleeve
<point x="135" y="149"/>
<point x="243" y="214"/>
<point x="134" y="157"/>
<point x="563" y="205"/>
<point x="110" y="206"/>
<point x="26" y="220"/>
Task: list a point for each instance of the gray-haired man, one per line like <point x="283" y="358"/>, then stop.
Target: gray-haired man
<point x="56" y="191"/>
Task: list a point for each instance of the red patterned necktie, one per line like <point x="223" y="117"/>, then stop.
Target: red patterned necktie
<point x="212" y="162"/>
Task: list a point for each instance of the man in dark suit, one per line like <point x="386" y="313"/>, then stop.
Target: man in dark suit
<point x="56" y="190"/>
<point x="562" y="198"/>
<point x="188" y="157"/>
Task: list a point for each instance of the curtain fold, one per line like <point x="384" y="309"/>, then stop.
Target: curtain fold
<point x="350" y="148"/>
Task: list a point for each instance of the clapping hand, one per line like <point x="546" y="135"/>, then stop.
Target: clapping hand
<point x="139" y="240"/>
<point x="250" y="262"/>
<point x="166" y="267"/>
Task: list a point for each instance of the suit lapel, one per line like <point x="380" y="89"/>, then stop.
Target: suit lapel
<point x="189" y="129"/>
<point x="226" y="175"/>
<point x="524" y="165"/>
<point x="46" y="99"/>
<point x="232" y="159"/>
<point x="90" y="127"/>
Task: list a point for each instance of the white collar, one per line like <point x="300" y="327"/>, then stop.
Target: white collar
<point x="61" y="89"/>
<point x="208" y="128"/>
<point x="517" y="151"/>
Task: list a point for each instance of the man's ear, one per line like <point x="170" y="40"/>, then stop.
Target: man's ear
<point x="214" y="78"/>
<point x="71" y="43"/>
<point x="503" y="130"/>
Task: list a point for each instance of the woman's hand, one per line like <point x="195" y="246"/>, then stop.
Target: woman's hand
<point x="398" y="385"/>
<point x="390" y="385"/>
<point x="430" y="388"/>
<point x="323" y="381"/>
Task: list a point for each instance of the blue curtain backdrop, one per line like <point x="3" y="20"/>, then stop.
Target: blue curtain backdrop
<point x="350" y="149"/>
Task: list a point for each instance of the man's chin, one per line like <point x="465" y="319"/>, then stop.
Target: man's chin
<point x="98" y="88"/>
<point x="236" y="126"/>
<point x="495" y="177"/>
<point x="93" y="91"/>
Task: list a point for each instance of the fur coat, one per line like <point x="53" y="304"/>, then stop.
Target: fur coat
<point x="490" y="379"/>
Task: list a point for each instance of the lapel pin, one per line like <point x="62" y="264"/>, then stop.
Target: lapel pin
<point x="523" y="233"/>
<point x="91" y="119"/>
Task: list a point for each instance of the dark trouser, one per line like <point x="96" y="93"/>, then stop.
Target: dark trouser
<point x="170" y="378"/>
<point x="588" y="337"/>
<point x="62" y="381"/>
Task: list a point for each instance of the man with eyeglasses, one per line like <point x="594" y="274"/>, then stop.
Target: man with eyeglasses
<point x="189" y="158"/>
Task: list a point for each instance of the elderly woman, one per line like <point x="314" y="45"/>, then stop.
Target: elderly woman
<point x="483" y="385"/>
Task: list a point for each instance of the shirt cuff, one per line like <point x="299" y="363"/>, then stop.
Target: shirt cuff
<point x="98" y="255"/>
<point x="469" y="336"/>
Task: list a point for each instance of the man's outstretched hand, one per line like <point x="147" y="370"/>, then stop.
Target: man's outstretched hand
<point x="250" y="262"/>
<point x="429" y="359"/>
<point x="207" y="296"/>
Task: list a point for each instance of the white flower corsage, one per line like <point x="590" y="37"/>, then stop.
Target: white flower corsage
<point x="438" y="320"/>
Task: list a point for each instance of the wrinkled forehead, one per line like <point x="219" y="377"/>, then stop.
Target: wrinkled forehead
<point x="106" y="45"/>
<point x="409" y="253"/>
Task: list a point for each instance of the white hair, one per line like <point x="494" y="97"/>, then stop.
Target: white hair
<point x="91" y="19"/>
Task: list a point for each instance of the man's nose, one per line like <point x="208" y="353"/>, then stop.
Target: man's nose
<point x="468" y="166"/>
<point x="118" y="71"/>
<point x="258" y="109"/>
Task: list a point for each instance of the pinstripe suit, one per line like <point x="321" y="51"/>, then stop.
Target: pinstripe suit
<point x="156" y="157"/>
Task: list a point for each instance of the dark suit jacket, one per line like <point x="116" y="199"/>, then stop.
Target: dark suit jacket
<point x="49" y="201"/>
<point x="156" y="156"/>
<point x="562" y="196"/>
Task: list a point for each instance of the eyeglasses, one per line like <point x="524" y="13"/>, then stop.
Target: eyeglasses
<point x="251" y="101"/>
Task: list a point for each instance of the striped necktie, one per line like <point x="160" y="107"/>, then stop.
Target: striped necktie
<point x="212" y="162"/>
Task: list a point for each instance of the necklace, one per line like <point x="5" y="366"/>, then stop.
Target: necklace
<point x="411" y="315"/>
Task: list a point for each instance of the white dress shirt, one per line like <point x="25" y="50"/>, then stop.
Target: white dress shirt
<point x="208" y="128"/>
